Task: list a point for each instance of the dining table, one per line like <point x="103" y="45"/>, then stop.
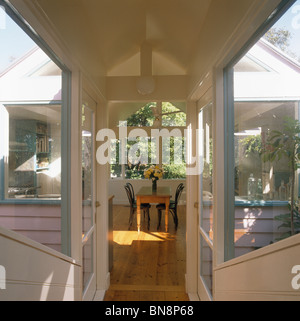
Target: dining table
<point x="147" y="195"/>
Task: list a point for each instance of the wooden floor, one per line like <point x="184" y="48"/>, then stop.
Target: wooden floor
<point x="149" y="266"/>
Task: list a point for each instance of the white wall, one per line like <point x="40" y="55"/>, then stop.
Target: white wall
<point x="35" y="272"/>
<point x="262" y="275"/>
<point x="231" y="38"/>
<point x="116" y="188"/>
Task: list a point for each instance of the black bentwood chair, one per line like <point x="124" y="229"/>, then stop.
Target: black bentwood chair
<point x="172" y="207"/>
<point x="133" y="207"/>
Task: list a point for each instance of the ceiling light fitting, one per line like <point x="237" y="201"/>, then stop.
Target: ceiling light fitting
<point x="145" y="85"/>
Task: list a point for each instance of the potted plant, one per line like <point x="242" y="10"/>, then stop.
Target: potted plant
<point x="286" y="144"/>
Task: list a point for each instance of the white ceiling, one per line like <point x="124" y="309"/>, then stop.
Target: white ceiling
<point x="112" y="31"/>
<point x="187" y="37"/>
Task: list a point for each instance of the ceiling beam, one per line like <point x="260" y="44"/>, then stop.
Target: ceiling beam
<point x="167" y="88"/>
<point x="146" y="59"/>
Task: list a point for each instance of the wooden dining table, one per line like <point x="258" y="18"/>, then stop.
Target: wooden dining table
<point x="147" y="195"/>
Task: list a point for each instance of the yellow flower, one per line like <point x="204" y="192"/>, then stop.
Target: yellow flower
<point x="153" y="172"/>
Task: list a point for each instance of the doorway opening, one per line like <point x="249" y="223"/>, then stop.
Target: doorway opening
<point x="150" y="264"/>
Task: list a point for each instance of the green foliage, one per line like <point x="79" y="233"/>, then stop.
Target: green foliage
<point x="174" y="171"/>
<point x="286" y="144"/>
<point x="142" y="118"/>
<point x="252" y="145"/>
<point x="287" y="221"/>
<point x="115" y="170"/>
<point x="174" y="117"/>
<point x="135" y="171"/>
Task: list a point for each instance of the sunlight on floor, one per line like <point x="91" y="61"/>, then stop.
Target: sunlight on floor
<point x="127" y="237"/>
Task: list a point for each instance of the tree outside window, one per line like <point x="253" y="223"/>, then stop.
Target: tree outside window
<point x="154" y="115"/>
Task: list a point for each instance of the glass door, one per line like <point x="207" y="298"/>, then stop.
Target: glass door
<point x="88" y="198"/>
<point x="205" y="208"/>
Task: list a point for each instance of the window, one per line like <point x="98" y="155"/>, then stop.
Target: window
<point x="144" y="117"/>
<point x="33" y="152"/>
<point x="205" y="190"/>
<point x="172" y="116"/>
<point x="263" y="152"/>
<point x="88" y="188"/>
<point x="174" y="151"/>
<point x="167" y="149"/>
<point x="158" y="114"/>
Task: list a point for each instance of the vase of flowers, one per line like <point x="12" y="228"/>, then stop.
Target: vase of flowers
<point x="154" y="185"/>
<point x="154" y="173"/>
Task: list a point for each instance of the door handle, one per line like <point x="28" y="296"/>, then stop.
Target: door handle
<point x="97" y="204"/>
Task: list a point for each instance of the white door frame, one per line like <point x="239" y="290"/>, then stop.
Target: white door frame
<point x="89" y="289"/>
<point x="202" y="291"/>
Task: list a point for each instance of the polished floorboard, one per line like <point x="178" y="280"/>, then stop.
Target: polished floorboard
<point x="150" y="265"/>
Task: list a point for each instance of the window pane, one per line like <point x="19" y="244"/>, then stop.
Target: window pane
<point x="206" y="265"/>
<point x="87" y="169"/>
<point x="115" y="167"/>
<point x="262" y="187"/>
<point x="87" y="261"/>
<point x="173" y="171"/>
<point x="178" y="119"/>
<point x="143" y="117"/>
<point x="34" y="160"/>
<point x="173" y="157"/>
<point x="31" y="141"/>
<point x="172" y="116"/>
<point x="138" y="152"/>
<point x="266" y="139"/>
<point x="207" y="170"/>
<point x="17" y="43"/>
<point x="166" y="150"/>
